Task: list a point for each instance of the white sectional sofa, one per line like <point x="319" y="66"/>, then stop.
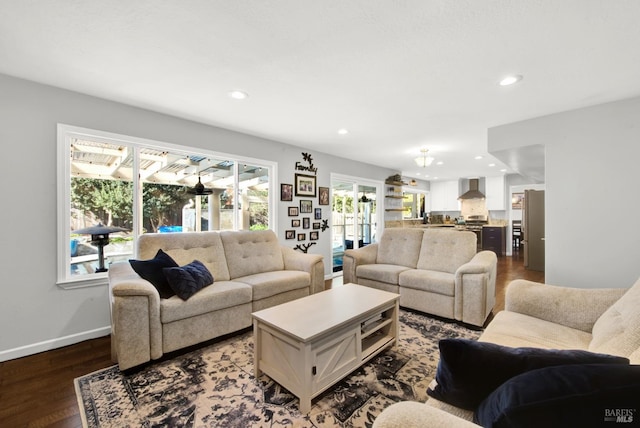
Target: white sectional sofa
<point x="251" y="271"/>
<point x="438" y="272"/>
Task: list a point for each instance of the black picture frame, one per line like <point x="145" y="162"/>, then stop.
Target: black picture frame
<point x="316" y="225"/>
<point x="302" y="236"/>
<point x="286" y="192"/>
<point x="323" y="196"/>
<point x="305" y="185"/>
<point x="306" y="206"/>
<point x="314" y="236"/>
<point x="293" y="211"/>
<point x="306" y="222"/>
<point x="289" y="234"/>
<point x="317" y="214"/>
<point x="295" y="222"/>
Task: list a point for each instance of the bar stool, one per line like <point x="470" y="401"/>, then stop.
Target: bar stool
<point x="516" y="233"/>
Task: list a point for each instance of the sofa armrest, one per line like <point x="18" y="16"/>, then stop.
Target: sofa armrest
<point x="411" y="414"/>
<point x="136" y="330"/>
<point x="475" y="288"/>
<point x="311" y="263"/>
<point x="577" y="308"/>
<point x="355" y="257"/>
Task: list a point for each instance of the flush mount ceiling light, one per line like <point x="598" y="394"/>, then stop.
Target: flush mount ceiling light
<point x="343" y="131"/>
<point x="424" y="160"/>
<point x="510" y="80"/>
<point x="238" y="95"/>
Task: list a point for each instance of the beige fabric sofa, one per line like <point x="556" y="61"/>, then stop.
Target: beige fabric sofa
<point x="435" y="271"/>
<point x="251" y="271"/>
<point x="544" y="316"/>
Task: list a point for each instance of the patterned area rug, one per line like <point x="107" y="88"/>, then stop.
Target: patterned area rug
<point x="214" y="386"/>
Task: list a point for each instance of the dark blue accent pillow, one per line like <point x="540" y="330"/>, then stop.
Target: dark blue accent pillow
<point x="151" y="270"/>
<point x="580" y="395"/>
<point x="187" y="280"/>
<point x="468" y="371"/>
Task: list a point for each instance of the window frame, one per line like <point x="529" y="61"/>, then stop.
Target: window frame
<point x="65" y="133"/>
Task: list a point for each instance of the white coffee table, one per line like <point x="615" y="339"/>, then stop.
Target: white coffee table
<point x="309" y="344"/>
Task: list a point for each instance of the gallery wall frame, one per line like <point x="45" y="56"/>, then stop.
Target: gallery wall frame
<point x="305" y="185"/>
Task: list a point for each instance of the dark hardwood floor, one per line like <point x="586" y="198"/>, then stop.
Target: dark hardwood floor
<point x="38" y="390"/>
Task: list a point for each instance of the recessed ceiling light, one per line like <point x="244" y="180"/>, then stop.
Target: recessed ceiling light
<point x="503" y="170"/>
<point x="238" y="95"/>
<point x="510" y="80"/>
<point x="343" y="131"/>
<point x="439" y="163"/>
<point x="478" y="157"/>
<point x="492" y="164"/>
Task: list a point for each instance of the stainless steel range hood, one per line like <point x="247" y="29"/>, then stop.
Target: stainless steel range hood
<point x="473" y="192"/>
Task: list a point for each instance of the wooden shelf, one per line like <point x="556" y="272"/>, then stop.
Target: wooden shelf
<point x="395" y="209"/>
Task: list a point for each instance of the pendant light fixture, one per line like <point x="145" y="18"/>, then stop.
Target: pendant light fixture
<point x="424" y="160"/>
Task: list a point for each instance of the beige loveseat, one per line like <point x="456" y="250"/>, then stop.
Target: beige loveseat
<point x="539" y="315"/>
<point x="251" y="271"/>
<point x="438" y="272"/>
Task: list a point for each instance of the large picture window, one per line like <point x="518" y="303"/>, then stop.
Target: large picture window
<point x="133" y="186"/>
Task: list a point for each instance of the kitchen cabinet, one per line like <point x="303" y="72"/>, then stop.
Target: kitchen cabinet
<point x="493" y="239"/>
<point x="494" y="193"/>
<point x="444" y="196"/>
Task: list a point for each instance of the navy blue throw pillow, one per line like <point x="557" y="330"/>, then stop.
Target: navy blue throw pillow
<point x="187" y="280"/>
<point x="579" y="395"/>
<point x="151" y="270"/>
<point x="468" y="371"/>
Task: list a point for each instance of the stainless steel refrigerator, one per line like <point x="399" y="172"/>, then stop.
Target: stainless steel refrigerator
<point x="533" y="229"/>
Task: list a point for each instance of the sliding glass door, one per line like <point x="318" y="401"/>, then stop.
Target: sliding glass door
<point x="354" y="215"/>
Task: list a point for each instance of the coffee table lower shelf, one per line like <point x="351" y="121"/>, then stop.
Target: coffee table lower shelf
<point x="308" y="367"/>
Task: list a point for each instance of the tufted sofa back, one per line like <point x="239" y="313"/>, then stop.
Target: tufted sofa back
<point x="185" y="247"/>
<point x="446" y="250"/>
<point x="400" y="246"/>
<point x="251" y="252"/>
<point x="617" y="331"/>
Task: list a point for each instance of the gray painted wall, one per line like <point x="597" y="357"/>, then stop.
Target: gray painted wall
<point x="36" y="314"/>
<point x="591" y="197"/>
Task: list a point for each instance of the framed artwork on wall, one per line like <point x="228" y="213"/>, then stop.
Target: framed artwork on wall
<point x="316" y="225"/>
<point x="305" y="185"/>
<point x="293" y="211"/>
<point x="313" y="236"/>
<point x="306" y="206"/>
<point x="289" y="234"/>
<point x="295" y="223"/>
<point x="323" y="195"/>
<point x="317" y="214"/>
<point x="286" y="192"/>
<point x="302" y="236"/>
<point x="306" y="223"/>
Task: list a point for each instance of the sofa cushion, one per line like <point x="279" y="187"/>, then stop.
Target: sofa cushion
<point x="219" y="295"/>
<point x="468" y="370"/>
<point x="267" y="284"/>
<point x="446" y="250"/>
<point x="184" y="247"/>
<point x="151" y="270"/>
<point x="400" y="246"/>
<point x="251" y="252"/>
<point x="616" y="331"/>
<point x="515" y="329"/>
<point x="429" y="280"/>
<point x="565" y="396"/>
<point x="381" y="272"/>
<point x="187" y="280"/>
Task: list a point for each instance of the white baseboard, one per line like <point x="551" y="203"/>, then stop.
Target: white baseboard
<point x="58" y="342"/>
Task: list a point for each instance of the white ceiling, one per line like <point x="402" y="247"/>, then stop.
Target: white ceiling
<point x="399" y="75"/>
